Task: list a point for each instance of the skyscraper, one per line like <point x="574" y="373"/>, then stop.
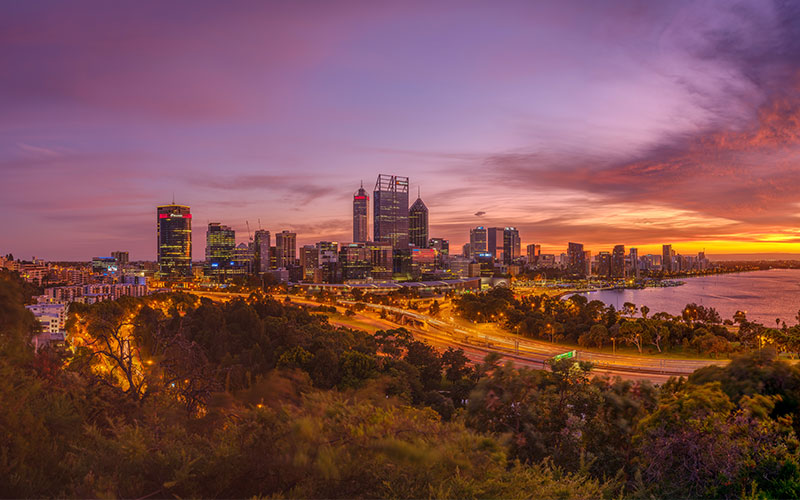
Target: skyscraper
<point x="477" y="240"/>
<point x="666" y="258"/>
<point x="534" y="251"/>
<point x="495" y="242"/>
<point x="618" y="262"/>
<point x="285" y="249"/>
<point x="576" y="260"/>
<point x="418" y="224"/>
<point x="360" y="202"/>
<point x="262" y="243"/>
<point x="511" y="245"/>
<point x="634" y="258"/>
<point x="174" y="238"/>
<point x="390" y="211"/>
<point x="220" y="243"/>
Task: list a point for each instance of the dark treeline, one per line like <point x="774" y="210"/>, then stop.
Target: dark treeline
<point x="577" y="320"/>
<point x="172" y="396"/>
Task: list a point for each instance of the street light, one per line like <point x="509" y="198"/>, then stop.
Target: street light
<point x="614" y="346"/>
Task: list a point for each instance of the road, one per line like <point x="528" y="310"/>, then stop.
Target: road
<point x="521" y="351"/>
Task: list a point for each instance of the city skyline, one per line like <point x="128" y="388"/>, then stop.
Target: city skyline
<point x="640" y="124"/>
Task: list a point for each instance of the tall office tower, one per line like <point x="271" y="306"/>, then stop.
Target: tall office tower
<point x="262" y="243"/>
<point x="328" y="262"/>
<point x="494" y="242"/>
<point x="360" y="203"/>
<point x="511" y="245"/>
<point x="355" y="261"/>
<point x="576" y="260"/>
<point x="121" y="258"/>
<point x="666" y="258"/>
<point x="534" y="251"/>
<point x="418" y="224"/>
<point x="174" y="238"/>
<point x="466" y="250"/>
<point x="477" y="241"/>
<point x="390" y="211"/>
<point x="587" y="257"/>
<point x="285" y="249"/>
<point x="220" y="242"/>
<point x="618" y="262"/>
<point x="633" y="256"/>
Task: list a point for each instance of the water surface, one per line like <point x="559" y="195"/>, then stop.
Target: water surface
<point x="765" y="295"/>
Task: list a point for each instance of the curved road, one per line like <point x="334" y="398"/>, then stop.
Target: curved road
<point x="519" y="350"/>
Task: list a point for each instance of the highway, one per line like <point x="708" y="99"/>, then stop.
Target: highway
<point x="521" y="351"/>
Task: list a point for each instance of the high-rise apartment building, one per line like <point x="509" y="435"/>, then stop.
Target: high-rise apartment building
<point x="360" y="204"/>
<point x="511" y="245"/>
<point x="576" y="260"/>
<point x="477" y="241"/>
<point x="618" y="262"/>
<point x="418" y="224"/>
<point x="390" y="211"/>
<point x="285" y="249"/>
<point x="442" y="248"/>
<point x="604" y="264"/>
<point x="261" y="245"/>
<point x="174" y="238"/>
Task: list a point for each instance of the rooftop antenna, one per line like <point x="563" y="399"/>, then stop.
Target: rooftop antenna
<point x="173" y="197"/>
<point x="259" y="223"/>
<point x="419" y="191"/>
<point x="362" y="183"/>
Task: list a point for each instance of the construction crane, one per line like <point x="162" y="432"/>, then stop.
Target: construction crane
<point x="249" y="236"/>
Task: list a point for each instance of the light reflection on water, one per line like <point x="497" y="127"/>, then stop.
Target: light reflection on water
<point x="765" y="295"/>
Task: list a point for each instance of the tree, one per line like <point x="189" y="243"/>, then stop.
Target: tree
<point x="644" y="310"/>
<point x="631" y="333"/>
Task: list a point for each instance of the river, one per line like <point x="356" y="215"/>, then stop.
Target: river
<point x="764" y="295"/>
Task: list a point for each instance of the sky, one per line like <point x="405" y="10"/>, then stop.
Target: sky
<point x="636" y="123"/>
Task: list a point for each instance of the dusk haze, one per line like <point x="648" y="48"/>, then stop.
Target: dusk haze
<point x="443" y="249"/>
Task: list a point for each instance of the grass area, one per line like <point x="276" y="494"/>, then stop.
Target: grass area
<point x="624" y="349"/>
<point x="351" y="322"/>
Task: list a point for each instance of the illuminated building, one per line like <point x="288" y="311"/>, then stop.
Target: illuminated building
<point x="633" y="256"/>
<point x="121" y="258"/>
<point x="220" y="243"/>
<point x="104" y="265"/>
<point x="587" y="257"/>
<point x="604" y="264"/>
<point x="381" y="260"/>
<point x="174" y="237"/>
<point x="309" y="261"/>
<point x="477" y="241"/>
<point x="418" y="224"/>
<point x="242" y="260"/>
<point x="618" y="262"/>
<point x="442" y="248"/>
<point x="360" y="203"/>
<point x="423" y="260"/>
<point x="511" y="245"/>
<point x="576" y="260"/>
<point x="261" y="243"/>
<point x="355" y="262"/>
<point x="390" y="211"/>
<point x="285" y="249"/>
<point x="328" y="262"/>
